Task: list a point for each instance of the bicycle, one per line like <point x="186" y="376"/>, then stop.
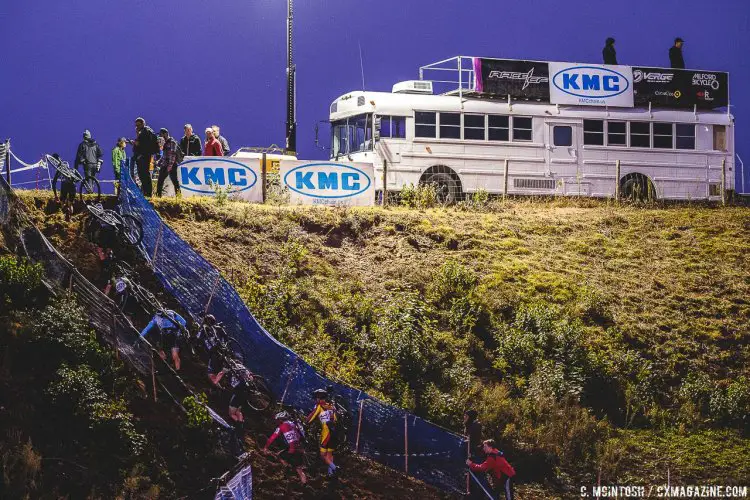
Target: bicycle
<point x="127" y="286"/>
<point x="128" y="229"/>
<point x="63" y="171"/>
<point x="258" y="395"/>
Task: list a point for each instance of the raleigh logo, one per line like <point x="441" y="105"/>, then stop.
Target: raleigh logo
<point x="706" y="80"/>
<point x="199" y="176"/>
<point x="651" y="77"/>
<point x="591" y="82"/>
<point x="528" y="78"/>
<point x="327" y="180"/>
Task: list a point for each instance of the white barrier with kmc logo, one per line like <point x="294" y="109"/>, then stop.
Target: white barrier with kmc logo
<point x="328" y="183"/>
<point x="204" y="176"/>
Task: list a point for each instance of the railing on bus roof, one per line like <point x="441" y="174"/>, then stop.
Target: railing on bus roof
<point x="451" y="76"/>
<point x="273" y="148"/>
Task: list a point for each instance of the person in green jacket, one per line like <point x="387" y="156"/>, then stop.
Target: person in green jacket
<point x="118" y="155"/>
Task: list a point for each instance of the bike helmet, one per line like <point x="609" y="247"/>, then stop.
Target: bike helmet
<point x="320" y="393"/>
<point x="209" y="319"/>
<point x="282" y="415"/>
<point x="121" y="285"/>
<point x="161" y="312"/>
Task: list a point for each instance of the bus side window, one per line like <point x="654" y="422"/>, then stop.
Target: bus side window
<point x="720" y="138"/>
<point x="425" y="124"/>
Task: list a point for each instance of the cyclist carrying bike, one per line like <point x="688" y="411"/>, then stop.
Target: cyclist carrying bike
<point x="170" y="325"/>
<point x="239" y="380"/>
<point x="210" y="335"/>
<point x="67" y="190"/>
<point x="293" y="434"/>
<point x="325" y="411"/>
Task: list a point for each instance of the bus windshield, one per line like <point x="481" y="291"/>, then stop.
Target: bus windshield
<point x="351" y="135"/>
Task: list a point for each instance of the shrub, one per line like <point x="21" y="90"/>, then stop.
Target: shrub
<point x="62" y="333"/>
<point x="20" y="282"/>
<point x="221" y="194"/>
<point x="197" y="412"/>
<point x="77" y="392"/>
<point x="419" y="197"/>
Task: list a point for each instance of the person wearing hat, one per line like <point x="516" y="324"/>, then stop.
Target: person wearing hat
<point x="89" y="155"/>
<point x="118" y="157"/>
<point x="676" y="60"/>
<point x="609" y="53"/>
<point x="167" y="163"/>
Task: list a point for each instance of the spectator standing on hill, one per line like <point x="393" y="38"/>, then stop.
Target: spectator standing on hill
<point x="118" y="157"/>
<point x="145" y="146"/>
<point x="222" y="140"/>
<point x="168" y="163"/>
<point x="676" y="60"/>
<point x="89" y="155"/>
<point x="212" y="147"/>
<point x="497" y="468"/>
<point x="609" y="53"/>
<point x="190" y="143"/>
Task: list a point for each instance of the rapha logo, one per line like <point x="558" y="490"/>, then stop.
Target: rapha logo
<point x="527" y="78"/>
<point x="651" y="77"/>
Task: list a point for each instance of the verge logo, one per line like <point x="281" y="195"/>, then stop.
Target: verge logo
<point x="199" y="176"/>
<point x="591" y="82"/>
<point x="651" y="77"/>
<point x="327" y="180"/>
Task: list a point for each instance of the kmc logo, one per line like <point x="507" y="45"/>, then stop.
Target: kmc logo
<point x="327" y="180"/>
<point x="591" y="82"/>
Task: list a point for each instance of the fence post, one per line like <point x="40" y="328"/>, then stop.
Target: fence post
<point x="505" y="180"/>
<point x="406" y="443"/>
<point x="156" y="246"/>
<point x="289" y="380"/>
<point x="7" y="161"/>
<point x="723" y="182"/>
<point x="617" y="182"/>
<point x="468" y="456"/>
<point x="359" y="424"/>
<point x="213" y="291"/>
<point x="385" y="182"/>
<point x="263" y="176"/>
<point x="153" y="375"/>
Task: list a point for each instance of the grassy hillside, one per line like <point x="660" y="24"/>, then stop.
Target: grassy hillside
<point x="591" y="338"/>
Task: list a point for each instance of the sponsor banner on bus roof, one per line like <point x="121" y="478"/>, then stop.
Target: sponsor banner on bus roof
<point x="329" y="183"/>
<point x="676" y="88"/>
<point x="206" y="176"/>
<point x="591" y="85"/>
<point x="517" y="79"/>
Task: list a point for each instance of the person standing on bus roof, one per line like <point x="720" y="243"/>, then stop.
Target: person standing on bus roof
<point x="609" y="53"/>
<point x="676" y="60"/>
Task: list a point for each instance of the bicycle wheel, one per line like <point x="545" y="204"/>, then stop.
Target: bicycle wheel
<point x="131" y="230"/>
<point x="90" y="186"/>
<point x="259" y="396"/>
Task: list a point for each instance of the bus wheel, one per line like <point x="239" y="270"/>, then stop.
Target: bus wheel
<point x="637" y="187"/>
<point x="447" y="188"/>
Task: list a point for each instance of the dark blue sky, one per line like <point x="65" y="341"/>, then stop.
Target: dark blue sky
<point x="97" y="64"/>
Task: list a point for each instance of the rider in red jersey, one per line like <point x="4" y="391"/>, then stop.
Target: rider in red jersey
<point x="295" y="452"/>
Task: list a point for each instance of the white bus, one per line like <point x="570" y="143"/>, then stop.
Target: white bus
<point x="464" y="141"/>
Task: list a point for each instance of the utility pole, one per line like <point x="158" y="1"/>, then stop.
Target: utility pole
<point x="291" y="84"/>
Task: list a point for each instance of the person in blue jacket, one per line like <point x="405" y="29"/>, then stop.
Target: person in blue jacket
<point x="170" y="325"/>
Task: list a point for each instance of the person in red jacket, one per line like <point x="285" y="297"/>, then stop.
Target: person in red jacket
<point x="497" y="468"/>
<point x="294" y="454"/>
<point x="212" y="147"/>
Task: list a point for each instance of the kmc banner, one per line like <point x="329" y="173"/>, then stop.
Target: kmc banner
<point x="329" y="183"/>
<point x="676" y="88"/>
<point x="517" y="79"/>
<point x="591" y="85"/>
<point x="205" y="176"/>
